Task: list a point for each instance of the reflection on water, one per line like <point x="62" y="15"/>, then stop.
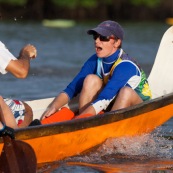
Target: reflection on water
<point x="61" y="52"/>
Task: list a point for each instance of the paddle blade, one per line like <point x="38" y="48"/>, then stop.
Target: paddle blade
<point x="17" y="157"/>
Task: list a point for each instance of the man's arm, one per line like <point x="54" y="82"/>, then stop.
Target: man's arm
<point x="57" y="103"/>
<point x="20" y="68"/>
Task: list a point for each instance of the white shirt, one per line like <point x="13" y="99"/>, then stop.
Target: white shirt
<point x="5" y="58"/>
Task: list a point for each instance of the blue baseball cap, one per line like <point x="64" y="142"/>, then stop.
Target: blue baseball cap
<point x="108" y="28"/>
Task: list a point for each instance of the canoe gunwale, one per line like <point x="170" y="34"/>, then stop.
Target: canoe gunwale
<point x="98" y="120"/>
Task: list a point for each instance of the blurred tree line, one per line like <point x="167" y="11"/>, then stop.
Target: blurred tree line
<point x="87" y="9"/>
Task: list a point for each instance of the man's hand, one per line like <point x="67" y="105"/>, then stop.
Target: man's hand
<point x="29" y="51"/>
<point x="48" y="112"/>
<point x="7" y="131"/>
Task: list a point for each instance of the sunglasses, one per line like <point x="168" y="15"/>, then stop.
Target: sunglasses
<point x="102" y="38"/>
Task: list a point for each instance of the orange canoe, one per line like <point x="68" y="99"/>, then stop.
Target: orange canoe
<point x="60" y="140"/>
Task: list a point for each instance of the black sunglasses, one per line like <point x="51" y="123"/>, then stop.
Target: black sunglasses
<point x="102" y="38"/>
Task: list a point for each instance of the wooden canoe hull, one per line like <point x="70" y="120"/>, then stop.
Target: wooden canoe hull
<point x="60" y="140"/>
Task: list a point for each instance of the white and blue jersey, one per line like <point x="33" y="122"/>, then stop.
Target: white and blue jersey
<point x="117" y="71"/>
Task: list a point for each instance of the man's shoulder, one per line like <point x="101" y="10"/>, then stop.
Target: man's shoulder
<point x="92" y="58"/>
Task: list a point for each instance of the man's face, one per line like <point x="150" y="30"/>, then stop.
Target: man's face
<point x="105" y="46"/>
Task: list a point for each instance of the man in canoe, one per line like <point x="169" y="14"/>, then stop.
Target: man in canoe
<point x="12" y="111"/>
<point x="109" y="79"/>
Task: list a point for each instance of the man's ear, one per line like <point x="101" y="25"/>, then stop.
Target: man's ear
<point x="117" y="43"/>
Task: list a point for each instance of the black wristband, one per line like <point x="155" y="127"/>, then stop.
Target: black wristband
<point x="7" y="131"/>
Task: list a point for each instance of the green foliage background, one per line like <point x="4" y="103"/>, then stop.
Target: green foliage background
<point x="85" y="3"/>
<point x="14" y="2"/>
<point x="149" y="3"/>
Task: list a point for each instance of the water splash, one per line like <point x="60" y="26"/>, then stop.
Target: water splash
<point x="143" y="147"/>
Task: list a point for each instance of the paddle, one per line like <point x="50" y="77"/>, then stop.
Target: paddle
<point x="17" y="157"/>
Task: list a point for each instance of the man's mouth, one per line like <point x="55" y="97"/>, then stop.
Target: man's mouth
<point x="98" y="49"/>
